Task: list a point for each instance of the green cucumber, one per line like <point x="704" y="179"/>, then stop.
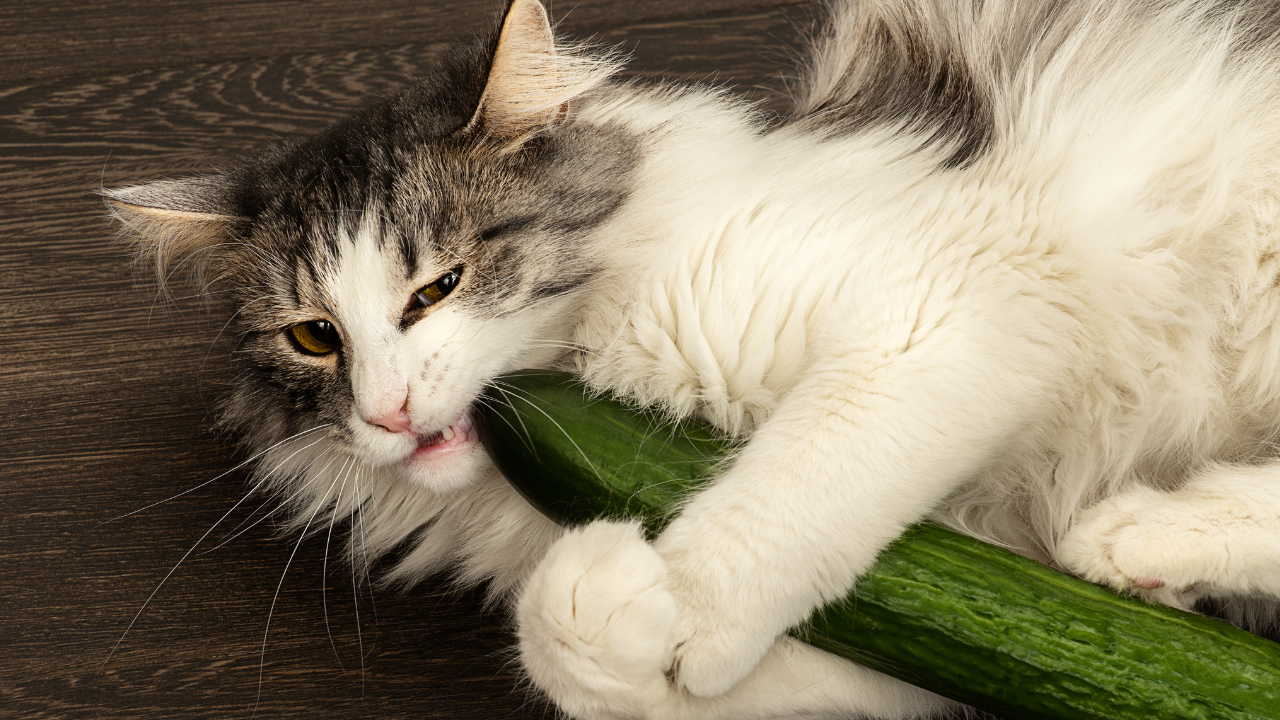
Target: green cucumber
<point x="940" y="610"/>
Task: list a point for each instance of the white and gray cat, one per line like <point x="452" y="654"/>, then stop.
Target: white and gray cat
<point x="1011" y="265"/>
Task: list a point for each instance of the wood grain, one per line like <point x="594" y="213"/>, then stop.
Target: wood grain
<point x="62" y="38"/>
<point x="108" y="394"/>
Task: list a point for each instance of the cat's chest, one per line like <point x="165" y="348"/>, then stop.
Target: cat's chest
<point x="718" y="332"/>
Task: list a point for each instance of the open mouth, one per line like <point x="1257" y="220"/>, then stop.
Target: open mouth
<point x="445" y="441"/>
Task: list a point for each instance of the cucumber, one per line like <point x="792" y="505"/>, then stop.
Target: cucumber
<point x="940" y="610"/>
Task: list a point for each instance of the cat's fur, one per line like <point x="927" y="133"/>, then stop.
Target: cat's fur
<point x="1012" y="265"/>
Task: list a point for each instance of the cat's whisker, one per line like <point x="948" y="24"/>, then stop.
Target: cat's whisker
<point x="215" y="479"/>
<point x="522" y="432"/>
<point x="166" y="579"/>
<point x="315" y="477"/>
<point x="262" y="659"/>
<point x="532" y="404"/>
<point x="241" y="529"/>
<point x="324" y="576"/>
<point x="227" y="324"/>
<point x="557" y="343"/>
<point x="355" y="586"/>
<point x="571" y="347"/>
<point x="186" y="555"/>
<point x="280" y="505"/>
<point x="364" y="564"/>
<point x="210" y="293"/>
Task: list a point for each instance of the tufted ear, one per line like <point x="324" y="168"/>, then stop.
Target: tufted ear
<point x="171" y="221"/>
<point x="532" y="80"/>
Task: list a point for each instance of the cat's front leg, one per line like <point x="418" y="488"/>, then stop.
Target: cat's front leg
<point x="863" y="446"/>
<point x="1217" y="536"/>
<point x="851" y="457"/>
<point x="595" y="624"/>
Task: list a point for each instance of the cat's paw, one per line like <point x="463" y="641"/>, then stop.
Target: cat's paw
<point x="714" y="650"/>
<point x="1147" y="543"/>
<point x="595" y="622"/>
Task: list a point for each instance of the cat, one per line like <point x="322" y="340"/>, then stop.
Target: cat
<point x="1013" y="266"/>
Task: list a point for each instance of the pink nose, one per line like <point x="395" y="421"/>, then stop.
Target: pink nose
<point x="396" y="422"/>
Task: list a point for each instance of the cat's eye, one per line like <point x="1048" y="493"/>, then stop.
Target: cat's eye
<point x="317" y="337"/>
<point x="437" y="290"/>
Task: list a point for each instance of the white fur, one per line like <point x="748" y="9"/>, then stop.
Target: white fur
<point x="1065" y="347"/>
<point x="1083" y="313"/>
<point x="595" y="631"/>
<point x="1216" y="535"/>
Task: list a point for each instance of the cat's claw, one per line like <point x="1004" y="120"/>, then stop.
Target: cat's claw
<point x="595" y="624"/>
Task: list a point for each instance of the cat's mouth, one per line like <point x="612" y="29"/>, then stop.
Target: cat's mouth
<point x="441" y="442"/>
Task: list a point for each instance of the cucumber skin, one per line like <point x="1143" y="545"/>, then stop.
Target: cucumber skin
<point x="939" y="610"/>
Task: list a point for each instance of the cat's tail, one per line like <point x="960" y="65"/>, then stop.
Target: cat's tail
<point x="909" y="65"/>
<point x="957" y="74"/>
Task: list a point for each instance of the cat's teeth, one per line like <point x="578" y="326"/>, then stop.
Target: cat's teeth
<point x="447" y="434"/>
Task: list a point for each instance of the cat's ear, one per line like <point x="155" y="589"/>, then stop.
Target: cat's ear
<point x="171" y="221"/>
<point x="532" y="79"/>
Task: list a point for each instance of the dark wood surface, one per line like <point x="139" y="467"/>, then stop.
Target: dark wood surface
<point x="106" y="392"/>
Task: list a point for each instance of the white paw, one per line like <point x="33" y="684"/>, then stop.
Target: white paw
<point x="595" y="622"/>
<point x="730" y="608"/>
<point x="714" y="652"/>
<point x="1156" y="545"/>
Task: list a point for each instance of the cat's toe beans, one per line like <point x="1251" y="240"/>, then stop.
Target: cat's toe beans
<point x="594" y="622"/>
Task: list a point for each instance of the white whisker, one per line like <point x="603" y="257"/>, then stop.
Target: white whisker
<point x="364" y="559"/>
<point x="178" y="564"/>
<point x="262" y="661"/>
<point x="215" y="479"/>
<point x="355" y="591"/>
<point x="324" y="576"/>
<point x="281" y="504"/>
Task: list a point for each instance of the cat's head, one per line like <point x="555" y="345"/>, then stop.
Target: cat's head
<point x="381" y="273"/>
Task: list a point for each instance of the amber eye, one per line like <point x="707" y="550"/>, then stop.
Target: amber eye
<point x="436" y="291"/>
<point x="317" y="337"/>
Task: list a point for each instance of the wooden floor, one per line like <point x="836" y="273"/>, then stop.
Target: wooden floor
<point x="106" y="394"/>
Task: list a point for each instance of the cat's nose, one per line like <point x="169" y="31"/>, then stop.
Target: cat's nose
<point x="396" y="422"/>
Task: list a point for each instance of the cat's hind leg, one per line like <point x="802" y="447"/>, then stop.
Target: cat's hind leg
<point x="1217" y="536"/>
<point x="595" y="624"/>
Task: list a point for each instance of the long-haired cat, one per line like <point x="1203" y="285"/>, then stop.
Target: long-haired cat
<point x="1012" y="265"/>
